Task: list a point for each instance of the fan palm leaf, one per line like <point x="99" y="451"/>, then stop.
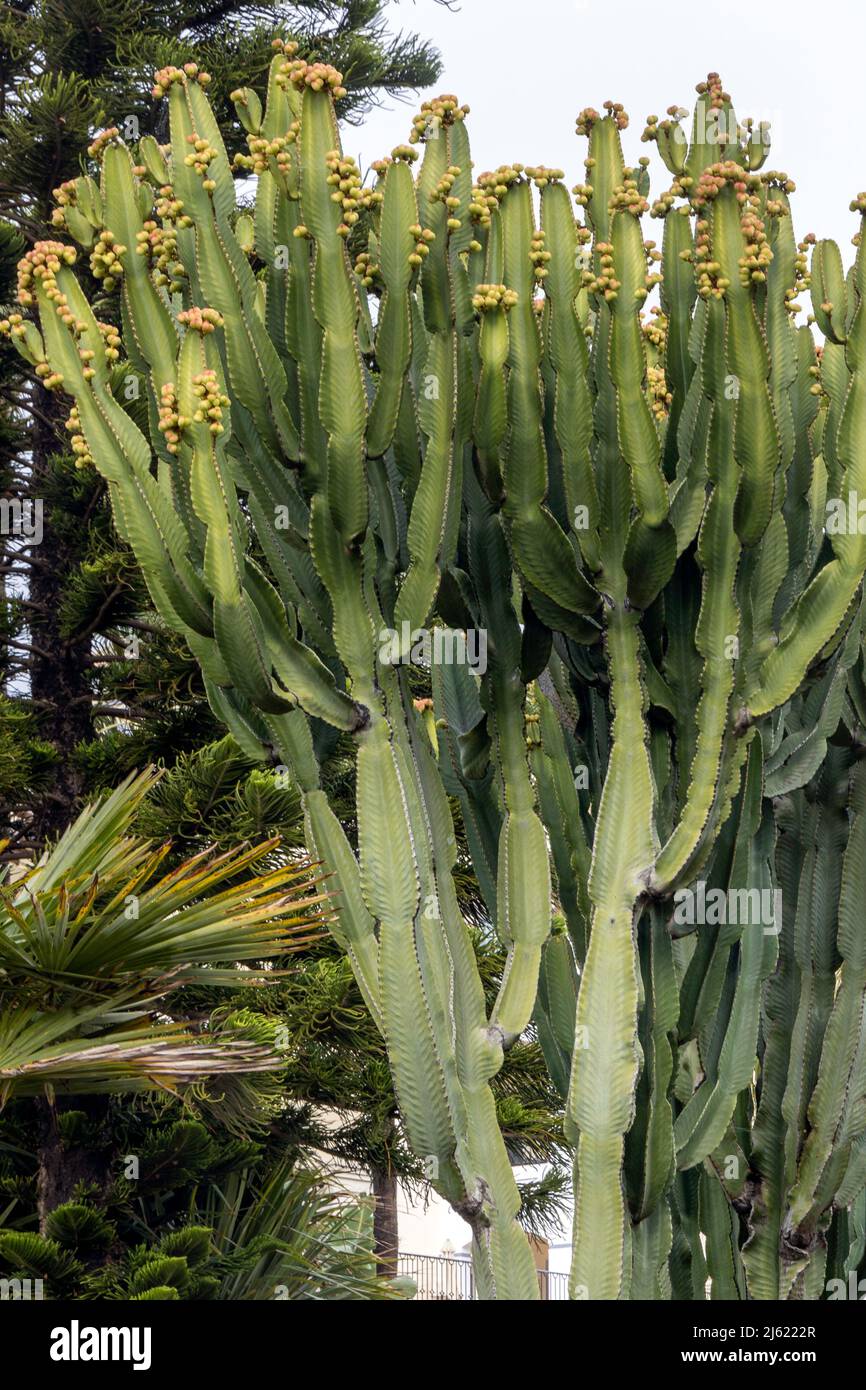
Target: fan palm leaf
<point x="92" y="938"/>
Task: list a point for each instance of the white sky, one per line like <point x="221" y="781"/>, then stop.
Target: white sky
<point x="526" y="67"/>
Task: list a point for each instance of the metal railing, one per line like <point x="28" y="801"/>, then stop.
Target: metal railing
<point x="441" y="1279"/>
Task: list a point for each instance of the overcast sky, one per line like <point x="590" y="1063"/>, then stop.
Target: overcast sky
<point x="526" y="67"/>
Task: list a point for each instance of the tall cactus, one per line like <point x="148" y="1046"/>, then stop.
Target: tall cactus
<point x="437" y="402"/>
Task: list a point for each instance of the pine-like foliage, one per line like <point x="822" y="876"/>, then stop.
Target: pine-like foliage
<point x="187" y="1215"/>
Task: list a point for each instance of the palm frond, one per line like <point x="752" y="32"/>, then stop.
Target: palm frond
<point x="94" y="936"/>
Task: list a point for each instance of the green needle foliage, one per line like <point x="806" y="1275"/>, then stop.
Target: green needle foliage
<point x="468" y="427"/>
<point x="67" y="64"/>
<point x="201" y="1220"/>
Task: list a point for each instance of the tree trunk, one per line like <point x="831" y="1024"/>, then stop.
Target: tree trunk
<point x="385" y="1235"/>
<point x="59" y="673"/>
<point x="61" y="1167"/>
